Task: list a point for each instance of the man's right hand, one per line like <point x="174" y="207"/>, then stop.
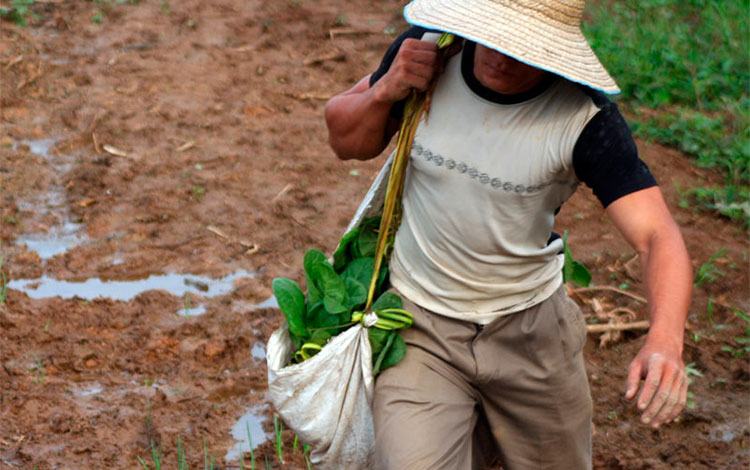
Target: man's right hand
<point x="413" y="68"/>
<point x="359" y="121"/>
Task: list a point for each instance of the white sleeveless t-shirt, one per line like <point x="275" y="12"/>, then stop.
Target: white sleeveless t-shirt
<point x="483" y="183"/>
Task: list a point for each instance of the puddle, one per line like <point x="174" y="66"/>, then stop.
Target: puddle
<point x="176" y="284"/>
<point x="192" y="311"/>
<point x="58" y="240"/>
<point x="11" y="463"/>
<point x="270" y="302"/>
<point x="65" y="234"/>
<point x="252" y="423"/>
<point x="54" y="61"/>
<point x="259" y="351"/>
<point x="727" y="431"/>
<point x="38" y="146"/>
<point x="94" y="390"/>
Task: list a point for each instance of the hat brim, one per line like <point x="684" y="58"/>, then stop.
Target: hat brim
<point x="533" y="40"/>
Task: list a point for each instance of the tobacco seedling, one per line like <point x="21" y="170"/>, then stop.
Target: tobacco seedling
<point x="278" y="429"/>
<point x="572" y="269"/>
<point x="3" y="283"/>
<point x="336" y="298"/>
<point x="708" y="272"/>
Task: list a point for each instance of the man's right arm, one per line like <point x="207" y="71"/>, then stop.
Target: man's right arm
<point x="359" y="121"/>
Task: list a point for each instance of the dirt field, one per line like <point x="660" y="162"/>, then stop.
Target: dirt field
<point x="185" y="141"/>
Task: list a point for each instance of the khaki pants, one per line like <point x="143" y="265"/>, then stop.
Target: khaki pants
<point x="466" y="395"/>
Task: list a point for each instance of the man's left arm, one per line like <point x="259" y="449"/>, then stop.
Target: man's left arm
<point x="644" y="220"/>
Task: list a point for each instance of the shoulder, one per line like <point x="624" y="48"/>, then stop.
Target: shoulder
<point x="605" y="156"/>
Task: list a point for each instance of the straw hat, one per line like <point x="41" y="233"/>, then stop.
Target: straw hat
<point x="543" y="33"/>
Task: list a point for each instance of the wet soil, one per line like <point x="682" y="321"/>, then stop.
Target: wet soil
<point x="147" y="138"/>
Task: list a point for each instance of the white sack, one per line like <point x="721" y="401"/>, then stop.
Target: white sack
<point x="327" y="399"/>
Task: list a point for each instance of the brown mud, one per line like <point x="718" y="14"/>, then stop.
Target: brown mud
<point x="147" y="138"/>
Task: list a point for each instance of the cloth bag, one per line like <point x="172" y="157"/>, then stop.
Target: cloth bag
<point x="327" y="399"/>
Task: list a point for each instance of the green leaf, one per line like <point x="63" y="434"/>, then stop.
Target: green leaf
<point x="343" y="255"/>
<point x="360" y="269"/>
<point x="378" y="339"/>
<point x="312" y="259"/>
<point x="356" y="293"/>
<point x="581" y="274"/>
<point x="319" y="317"/>
<point x="382" y="278"/>
<point x="572" y="269"/>
<point x="395" y="353"/>
<point x="367" y="243"/>
<point x="321" y="337"/>
<point x="332" y="288"/>
<point x="291" y="301"/>
<point x="387" y="300"/>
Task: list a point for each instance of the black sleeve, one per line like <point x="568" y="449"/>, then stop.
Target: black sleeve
<point x="415" y="32"/>
<point x="605" y="156"/>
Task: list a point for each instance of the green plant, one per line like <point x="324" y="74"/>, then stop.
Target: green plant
<point x="708" y="272"/>
<point x="18" y="12"/>
<point x="156" y="456"/>
<point x="3" y="283"/>
<point x="278" y="429"/>
<point x="681" y="65"/>
<point x="252" y="451"/>
<point x="572" y="269"/>
<point x="39" y="368"/>
<point x="691" y="371"/>
<point x="198" y="192"/>
<point x="337" y="296"/>
<point x="187" y="304"/>
<point x="208" y="463"/>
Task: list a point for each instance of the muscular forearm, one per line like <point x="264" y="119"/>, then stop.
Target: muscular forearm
<point x="668" y="278"/>
<point x="359" y="124"/>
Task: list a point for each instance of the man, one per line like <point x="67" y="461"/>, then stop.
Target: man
<point x="494" y="363"/>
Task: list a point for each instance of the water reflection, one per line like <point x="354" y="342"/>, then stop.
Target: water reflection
<point x="250" y="424"/>
<point x="176" y="284"/>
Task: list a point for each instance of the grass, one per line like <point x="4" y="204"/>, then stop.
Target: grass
<point x="708" y="272"/>
<point x="18" y="12"/>
<point x="39" y="368"/>
<point x="157" y="457"/>
<point x="3" y="283"/>
<point x="682" y="66"/>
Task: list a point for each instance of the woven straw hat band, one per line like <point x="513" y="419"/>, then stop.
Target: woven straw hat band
<point x="568" y="13"/>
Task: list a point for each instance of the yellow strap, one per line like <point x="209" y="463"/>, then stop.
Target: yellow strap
<point x="391" y="217"/>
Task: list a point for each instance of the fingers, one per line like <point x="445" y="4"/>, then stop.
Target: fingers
<point x="682" y="400"/>
<point x="633" y="380"/>
<point x="664" y="391"/>
<point x="416" y="63"/>
<point x="678" y="401"/>
<point x="655" y="368"/>
<point x="413" y="68"/>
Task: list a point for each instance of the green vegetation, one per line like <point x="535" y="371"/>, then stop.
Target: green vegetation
<point x="278" y="429"/>
<point x="682" y="66"/>
<point x="39" y="368"/>
<point x="337" y="296"/>
<point x="708" y="272"/>
<point x="3" y="282"/>
<point x="573" y="270"/>
<point x="157" y="456"/>
<point x="18" y="12"/>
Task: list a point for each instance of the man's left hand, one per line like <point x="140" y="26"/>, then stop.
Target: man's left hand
<point x="664" y="389"/>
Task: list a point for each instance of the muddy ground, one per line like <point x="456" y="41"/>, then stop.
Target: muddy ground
<point x="185" y="141"/>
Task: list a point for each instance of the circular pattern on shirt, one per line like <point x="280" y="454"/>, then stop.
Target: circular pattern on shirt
<point x="484" y="178"/>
